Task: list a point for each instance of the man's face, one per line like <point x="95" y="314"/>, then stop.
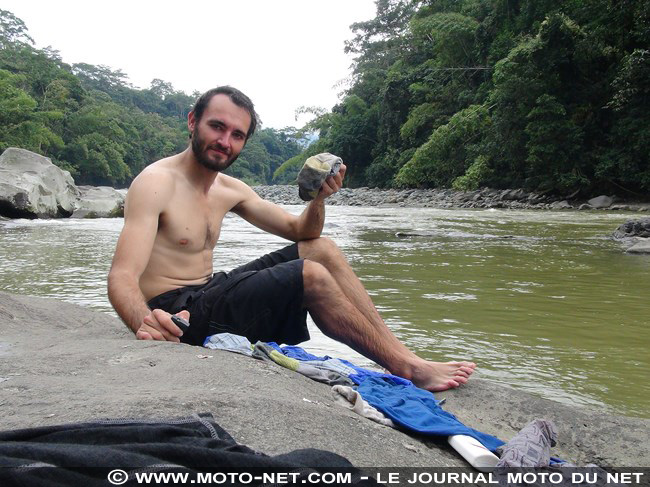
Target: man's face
<point x="220" y="135"/>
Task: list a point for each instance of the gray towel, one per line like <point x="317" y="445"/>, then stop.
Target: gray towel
<point x="314" y="172"/>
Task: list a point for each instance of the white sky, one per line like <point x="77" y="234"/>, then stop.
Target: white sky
<point x="282" y="53"/>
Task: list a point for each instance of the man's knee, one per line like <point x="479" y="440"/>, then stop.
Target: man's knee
<point x="320" y="249"/>
<point x="316" y="279"/>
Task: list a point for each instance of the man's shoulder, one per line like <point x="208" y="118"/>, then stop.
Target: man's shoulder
<point x="159" y="172"/>
<point x="226" y="180"/>
<point x="233" y="183"/>
<point x="152" y="188"/>
<point x="238" y="191"/>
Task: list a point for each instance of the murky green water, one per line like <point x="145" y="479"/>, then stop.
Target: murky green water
<point x="542" y="301"/>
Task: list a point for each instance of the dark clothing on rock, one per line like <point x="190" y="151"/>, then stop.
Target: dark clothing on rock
<point x="84" y="453"/>
<point x="261" y="300"/>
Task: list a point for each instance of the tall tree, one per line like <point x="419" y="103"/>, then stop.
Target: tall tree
<point x="13" y="31"/>
<point x="21" y="125"/>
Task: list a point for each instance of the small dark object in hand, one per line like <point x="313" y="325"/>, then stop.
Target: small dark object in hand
<point x="184" y="325"/>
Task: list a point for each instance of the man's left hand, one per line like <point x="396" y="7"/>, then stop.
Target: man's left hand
<point x="332" y="184"/>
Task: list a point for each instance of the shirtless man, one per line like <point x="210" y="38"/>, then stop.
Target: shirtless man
<point x="172" y="220"/>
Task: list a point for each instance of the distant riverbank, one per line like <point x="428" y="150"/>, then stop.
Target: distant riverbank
<point x="448" y="198"/>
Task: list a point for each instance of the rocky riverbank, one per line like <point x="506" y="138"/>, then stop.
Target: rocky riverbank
<point x="633" y="233"/>
<point x="448" y="198"/>
<point x="32" y="187"/>
<point x="63" y="363"/>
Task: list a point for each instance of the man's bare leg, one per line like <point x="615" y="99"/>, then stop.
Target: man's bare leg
<point x="343" y="310"/>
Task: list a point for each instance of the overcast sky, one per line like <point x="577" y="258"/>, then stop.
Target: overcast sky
<point x="282" y="53"/>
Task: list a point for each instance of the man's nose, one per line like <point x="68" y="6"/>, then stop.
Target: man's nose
<point x="224" y="139"/>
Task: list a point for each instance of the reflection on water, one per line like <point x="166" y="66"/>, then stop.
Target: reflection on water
<point x="542" y="301"/>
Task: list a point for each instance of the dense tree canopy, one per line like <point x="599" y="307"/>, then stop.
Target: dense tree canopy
<point x="551" y="95"/>
<point x="91" y="121"/>
<point x="546" y="94"/>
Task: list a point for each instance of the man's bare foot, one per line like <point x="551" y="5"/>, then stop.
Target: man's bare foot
<point x="440" y="376"/>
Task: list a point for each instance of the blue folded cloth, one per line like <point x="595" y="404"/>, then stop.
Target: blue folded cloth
<point x="417" y="410"/>
<point x="400" y="400"/>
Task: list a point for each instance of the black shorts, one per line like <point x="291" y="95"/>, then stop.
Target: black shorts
<point x="261" y="300"/>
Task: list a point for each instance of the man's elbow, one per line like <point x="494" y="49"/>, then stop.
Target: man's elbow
<point x="299" y="234"/>
<point x="113" y="276"/>
<point x="112" y="286"/>
<point x="117" y="279"/>
<point x="308" y="236"/>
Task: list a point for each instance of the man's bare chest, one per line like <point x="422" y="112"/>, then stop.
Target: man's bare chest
<point x="190" y="231"/>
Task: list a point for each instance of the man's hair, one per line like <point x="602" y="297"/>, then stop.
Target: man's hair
<point x="236" y="96"/>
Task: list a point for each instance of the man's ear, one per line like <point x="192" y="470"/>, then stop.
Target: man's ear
<point x="190" y="122"/>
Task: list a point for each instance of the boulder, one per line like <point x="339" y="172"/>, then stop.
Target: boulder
<point x="534" y="198"/>
<point x="32" y="187"/>
<point x="621" y="207"/>
<point x="560" y="205"/>
<point x="514" y="195"/>
<point x="601" y="201"/>
<point x="633" y="228"/>
<point x="99" y="202"/>
<point x="641" y="247"/>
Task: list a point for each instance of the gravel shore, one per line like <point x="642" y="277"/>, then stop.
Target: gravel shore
<point x="447" y="198"/>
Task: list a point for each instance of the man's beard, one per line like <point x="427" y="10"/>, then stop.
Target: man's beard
<point x="200" y="149"/>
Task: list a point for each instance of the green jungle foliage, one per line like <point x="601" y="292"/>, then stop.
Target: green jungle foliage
<point x="549" y="95"/>
<point x="90" y="121"/>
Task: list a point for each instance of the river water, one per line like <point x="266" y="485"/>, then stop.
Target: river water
<point x="543" y="301"/>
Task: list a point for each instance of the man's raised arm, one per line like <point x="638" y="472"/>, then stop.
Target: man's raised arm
<point x="145" y="202"/>
<point x="273" y="219"/>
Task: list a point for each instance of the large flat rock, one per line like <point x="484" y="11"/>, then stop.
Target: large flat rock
<point x="63" y="363"/>
<point x="640" y="247"/>
<point x="99" y="202"/>
<point x="32" y="187"/>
